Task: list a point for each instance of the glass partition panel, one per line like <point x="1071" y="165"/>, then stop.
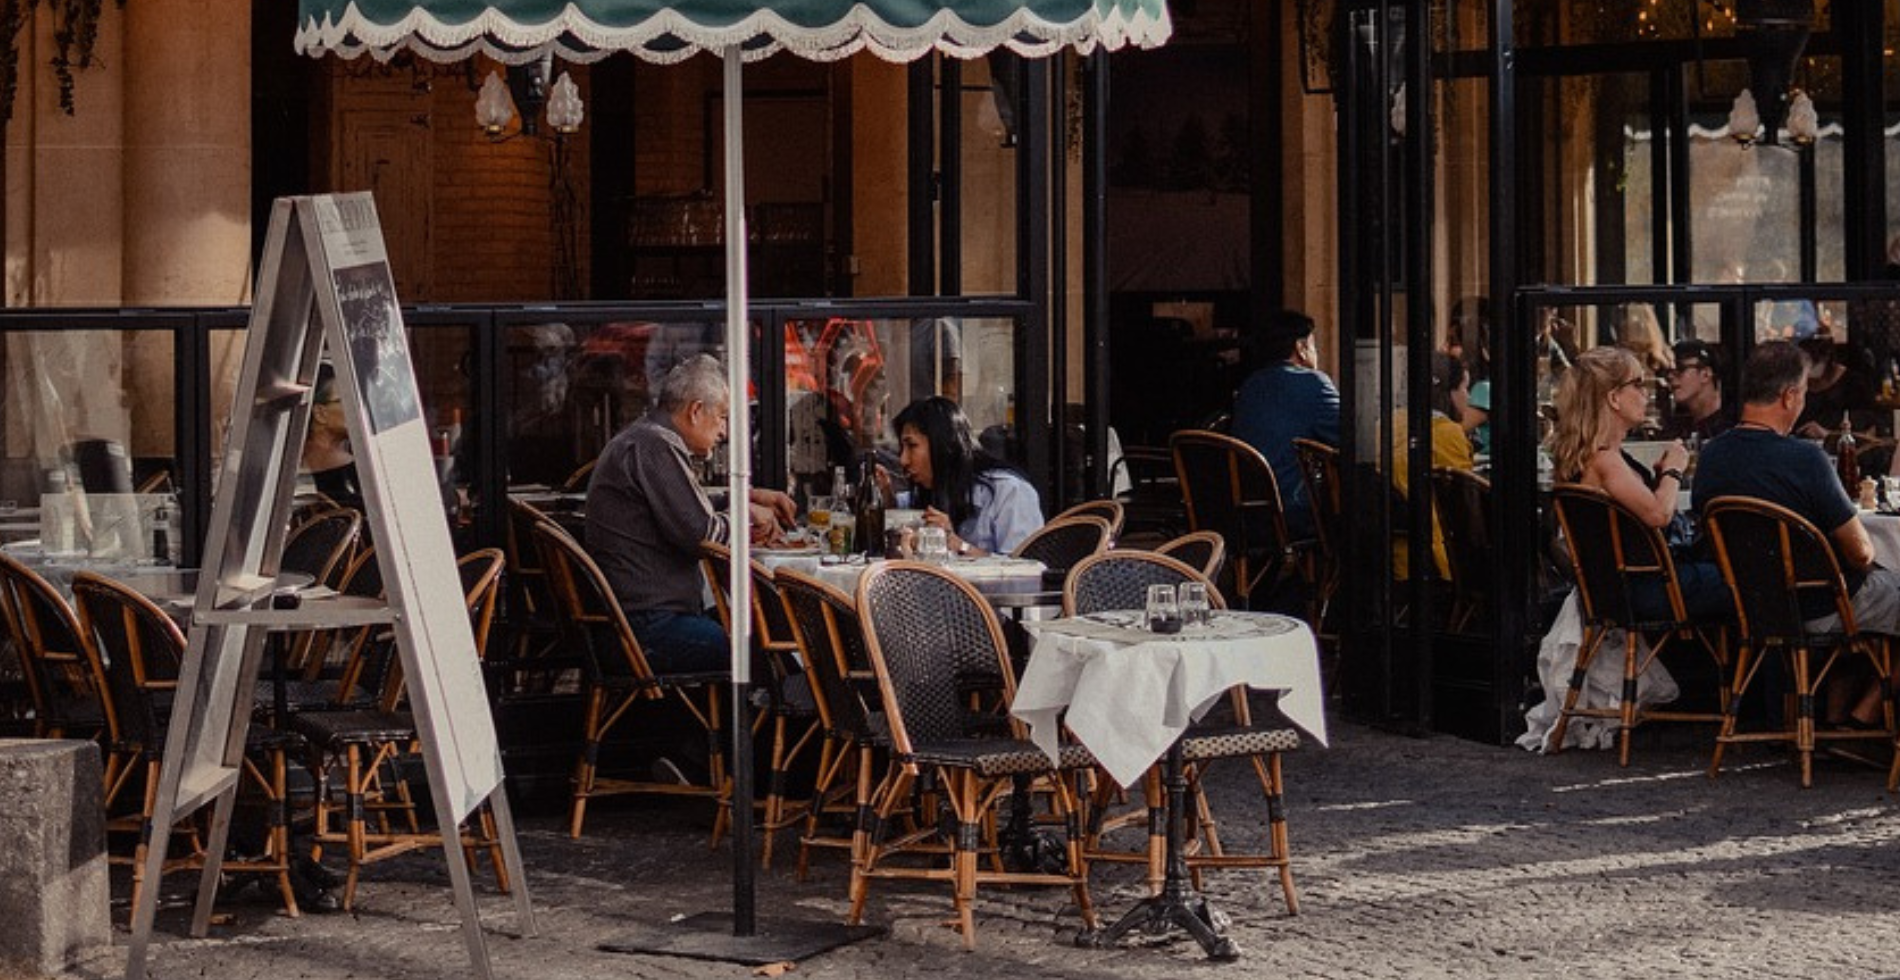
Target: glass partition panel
<point x="87" y="421"/>
<point x="846" y="378"/>
<point x="568" y="386"/>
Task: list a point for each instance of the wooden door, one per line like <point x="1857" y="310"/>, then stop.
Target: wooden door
<point x="390" y="152"/>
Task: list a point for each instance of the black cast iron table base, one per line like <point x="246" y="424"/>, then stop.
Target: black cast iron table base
<point x="1178" y="906"/>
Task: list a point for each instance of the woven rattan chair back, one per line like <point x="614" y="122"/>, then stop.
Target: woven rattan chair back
<point x="771" y="629"/>
<point x="1773" y="558"/>
<point x="364" y="577"/>
<point x="1229" y="488"/>
<point x="1204" y="550"/>
<point x="1120" y="580"/>
<point x="321" y="547"/>
<point x="139" y="651"/>
<point x="1463" y="501"/>
<point x="1319" y="467"/>
<point x="1059" y="544"/>
<point x="481" y="574"/>
<point x="1612" y="552"/>
<point x="529" y="596"/>
<point x="589" y="614"/>
<point x="832" y="643"/>
<point x="1108" y="510"/>
<point x="67" y="701"/>
<point x="931" y="637"/>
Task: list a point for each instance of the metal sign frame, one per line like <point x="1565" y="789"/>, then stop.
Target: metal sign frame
<point x="324" y="282"/>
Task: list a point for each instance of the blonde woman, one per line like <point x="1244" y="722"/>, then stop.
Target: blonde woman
<point x="1601" y="398"/>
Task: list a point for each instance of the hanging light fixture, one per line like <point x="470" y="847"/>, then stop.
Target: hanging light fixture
<point x="1773" y="33"/>
<point x="1804" y="124"/>
<point x="1743" y="119"/>
<point x="526" y="92"/>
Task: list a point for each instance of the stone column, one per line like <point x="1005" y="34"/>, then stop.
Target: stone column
<point x="187" y="183"/>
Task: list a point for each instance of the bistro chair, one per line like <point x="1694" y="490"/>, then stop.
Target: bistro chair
<point x="1119" y="580"/>
<point x="1061" y="543"/>
<point x="1230" y="490"/>
<point x="1319" y="467"/>
<point x="362" y="655"/>
<point x="792" y="710"/>
<point x="67" y="703"/>
<point x="1613" y="553"/>
<point x="1463" y="501"/>
<point x="925" y="629"/>
<point x="536" y="665"/>
<point x="1152" y="504"/>
<point x="1108" y="510"/>
<point x="616" y="677"/>
<point x="831" y="642"/>
<point x="1773" y="560"/>
<point x="322" y="548"/>
<point x="371" y="746"/>
<point x="1204" y="551"/>
<point x="134" y="650"/>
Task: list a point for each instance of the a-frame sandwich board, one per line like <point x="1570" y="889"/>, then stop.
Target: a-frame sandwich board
<point x="324" y="281"/>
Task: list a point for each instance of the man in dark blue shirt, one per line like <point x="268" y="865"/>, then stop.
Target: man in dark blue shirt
<point x="1757" y="458"/>
<point x="1288" y="399"/>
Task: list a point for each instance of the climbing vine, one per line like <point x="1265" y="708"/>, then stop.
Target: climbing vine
<point x="75" y="31"/>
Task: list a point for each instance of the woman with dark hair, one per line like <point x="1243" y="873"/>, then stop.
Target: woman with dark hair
<point x="986" y="506"/>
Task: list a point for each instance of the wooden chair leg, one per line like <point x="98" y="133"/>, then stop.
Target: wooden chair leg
<point x="1586" y="652"/>
<point x="584" y="766"/>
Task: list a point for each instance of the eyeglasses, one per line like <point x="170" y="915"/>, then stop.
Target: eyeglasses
<point x="1631" y="383"/>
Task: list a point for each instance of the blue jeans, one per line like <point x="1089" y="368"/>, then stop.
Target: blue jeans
<point x="681" y="643"/>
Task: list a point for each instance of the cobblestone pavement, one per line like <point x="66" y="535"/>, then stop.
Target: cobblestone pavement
<point x="1414" y="858"/>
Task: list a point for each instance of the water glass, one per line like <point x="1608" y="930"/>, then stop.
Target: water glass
<point x="1194" y="608"/>
<point x="933" y="545"/>
<point x="1164" y="609"/>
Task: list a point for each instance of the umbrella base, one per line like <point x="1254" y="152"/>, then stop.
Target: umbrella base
<point x="708" y="936"/>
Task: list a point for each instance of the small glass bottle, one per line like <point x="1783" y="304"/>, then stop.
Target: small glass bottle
<point x="1847" y="457"/>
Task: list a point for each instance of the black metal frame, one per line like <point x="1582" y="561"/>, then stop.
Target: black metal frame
<point x="487" y="328"/>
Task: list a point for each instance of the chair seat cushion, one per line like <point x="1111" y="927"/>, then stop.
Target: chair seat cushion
<point x="998" y="756"/>
<point x="334" y="729"/>
<point x="263" y="738"/>
<point x="302" y="695"/>
<point x="1224" y="743"/>
<point x="693" y="680"/>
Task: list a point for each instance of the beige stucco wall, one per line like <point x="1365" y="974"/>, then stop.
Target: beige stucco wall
<point x="140" y="197"/>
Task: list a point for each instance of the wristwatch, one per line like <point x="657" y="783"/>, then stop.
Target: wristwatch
<point x="963" y="547"/>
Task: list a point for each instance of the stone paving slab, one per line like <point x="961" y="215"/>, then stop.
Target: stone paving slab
<point x="1414" y="858"/>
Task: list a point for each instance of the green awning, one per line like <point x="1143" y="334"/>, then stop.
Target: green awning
<point x="585" y="30"/>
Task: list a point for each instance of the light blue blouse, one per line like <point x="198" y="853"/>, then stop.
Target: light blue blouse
<point x="1005" y="510"/>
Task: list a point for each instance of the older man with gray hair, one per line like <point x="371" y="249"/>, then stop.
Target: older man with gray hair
<point x="647" y="514"/>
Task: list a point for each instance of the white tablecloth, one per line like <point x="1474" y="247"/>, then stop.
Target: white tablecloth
<point x="1130" y="693"/>
<point x="1884" y="530"/>
<point x="844" y="575"/>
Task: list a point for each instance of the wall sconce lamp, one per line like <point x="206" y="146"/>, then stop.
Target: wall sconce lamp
<point x="1804" y="124"/>
<point x="1743" y="119"/>
<point x="526" y="90"/>
<point x="1773" y="34"/>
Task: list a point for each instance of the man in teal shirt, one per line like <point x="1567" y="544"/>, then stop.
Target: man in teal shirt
<point x="1288" y="398"/>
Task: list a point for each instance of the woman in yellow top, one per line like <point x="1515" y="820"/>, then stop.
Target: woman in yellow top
<point x="1451" y="450"/>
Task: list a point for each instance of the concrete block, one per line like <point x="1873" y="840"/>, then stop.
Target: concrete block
<point x="54" y="891"/>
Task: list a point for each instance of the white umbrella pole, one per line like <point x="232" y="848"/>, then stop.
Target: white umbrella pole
<point x="739" y="458"/>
